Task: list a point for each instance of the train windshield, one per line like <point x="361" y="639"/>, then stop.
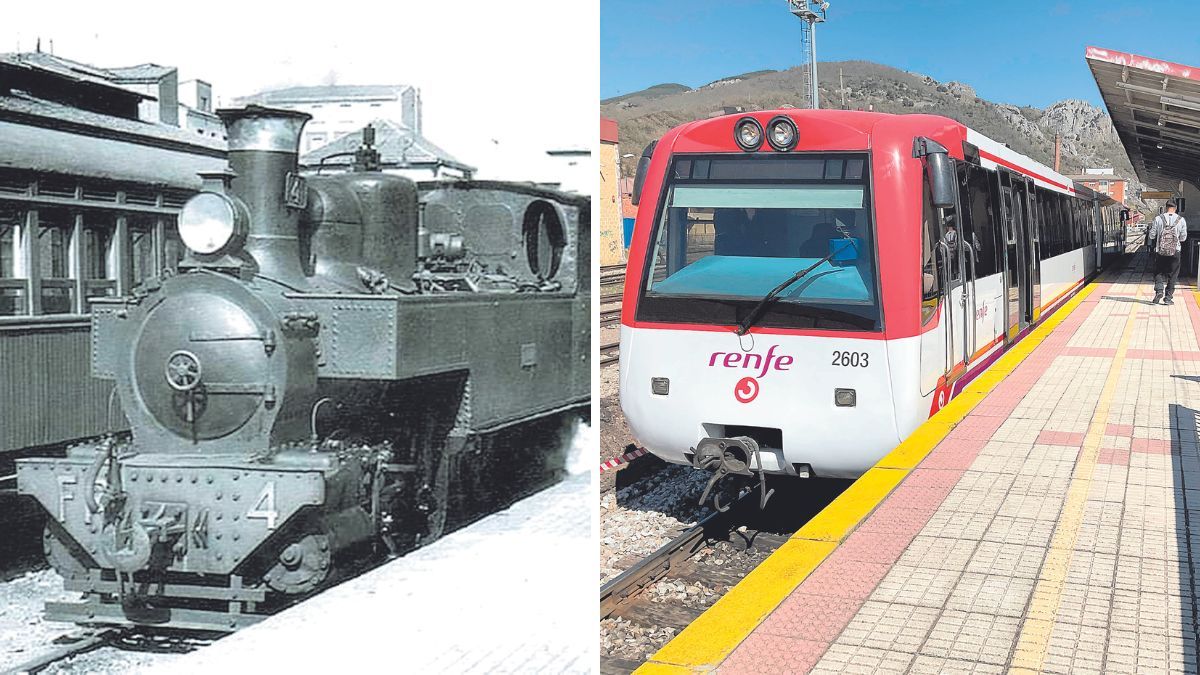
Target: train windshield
<point x="733" y="228"/>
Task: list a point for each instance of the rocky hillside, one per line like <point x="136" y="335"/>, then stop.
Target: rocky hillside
<point x="1088" y="137"/>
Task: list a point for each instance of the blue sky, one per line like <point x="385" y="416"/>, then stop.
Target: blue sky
<point x="1026" y="53"/>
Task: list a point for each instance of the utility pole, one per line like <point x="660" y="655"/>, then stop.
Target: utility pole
<point x="810" y="13"/>
<point x="842" y="87"/>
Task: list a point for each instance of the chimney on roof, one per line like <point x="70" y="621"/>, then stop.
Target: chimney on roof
<point x="1057" y="151"/>
<point x="39" y="45"/>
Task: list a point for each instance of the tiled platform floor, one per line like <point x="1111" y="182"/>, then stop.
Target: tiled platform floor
<point x="1056" y="529"/>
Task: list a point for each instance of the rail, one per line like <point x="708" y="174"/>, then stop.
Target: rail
<point x="75" y="645"/>
<point x="637" y="578"/>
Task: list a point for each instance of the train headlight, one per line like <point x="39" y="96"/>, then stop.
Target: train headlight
<point x="782" y="133"/>
<point x="748" y="133"/>
<point x="211" y="222"/>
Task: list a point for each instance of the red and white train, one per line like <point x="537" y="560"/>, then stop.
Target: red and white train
<point x="806" y="287"/>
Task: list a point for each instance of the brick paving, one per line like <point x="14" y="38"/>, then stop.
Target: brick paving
<point x="1053" y="530"/>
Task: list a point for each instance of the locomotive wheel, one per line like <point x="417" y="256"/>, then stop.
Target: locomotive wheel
<point x="60" y="553"/>
<point x="301" y="566"/>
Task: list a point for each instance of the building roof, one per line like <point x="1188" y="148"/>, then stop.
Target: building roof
<point x="65" y="69"/>
<point x="608" y="130"/>
<point x="32" y="111"/>
<point x="146" y="72"/>
<point x="398" y="147"/>
<point x="1095" y="177"/>
<point x="328" y="92"/>
<point x="1155" y="107"/>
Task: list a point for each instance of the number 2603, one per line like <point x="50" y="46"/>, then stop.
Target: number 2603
<point x="851" y="359"/>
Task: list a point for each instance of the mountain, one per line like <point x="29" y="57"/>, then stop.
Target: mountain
<point x="1088" y="136"/>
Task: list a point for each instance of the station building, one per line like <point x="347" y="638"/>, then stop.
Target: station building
<point x="338" y="110"/>
<point x="1105" y="181"/>
<point x="612" y="248"/>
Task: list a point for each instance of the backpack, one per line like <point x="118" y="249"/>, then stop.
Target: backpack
<point x="1168" y="239"/>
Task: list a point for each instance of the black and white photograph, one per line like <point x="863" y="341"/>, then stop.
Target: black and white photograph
<point x="296" y="346"/>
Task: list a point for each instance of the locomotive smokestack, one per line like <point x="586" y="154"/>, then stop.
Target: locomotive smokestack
<point x="264" y="146"/>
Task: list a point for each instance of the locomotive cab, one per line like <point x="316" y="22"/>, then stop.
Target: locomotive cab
<point x="759" y="277"/>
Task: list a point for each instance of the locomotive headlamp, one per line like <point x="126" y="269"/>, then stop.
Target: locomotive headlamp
<point x="211" y="222"/>
<point x="782" y="133"/>
<point x="748" y="133"/>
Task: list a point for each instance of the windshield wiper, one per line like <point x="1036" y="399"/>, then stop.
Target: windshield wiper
<point x="744" y="326"/>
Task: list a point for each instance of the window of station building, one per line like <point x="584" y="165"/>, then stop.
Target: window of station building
<point x="56" y="228"/>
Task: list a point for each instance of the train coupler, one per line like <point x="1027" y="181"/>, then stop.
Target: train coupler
<point x="726" y="457"/>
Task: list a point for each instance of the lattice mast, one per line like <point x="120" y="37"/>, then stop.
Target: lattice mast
<point x="810" y="13"/>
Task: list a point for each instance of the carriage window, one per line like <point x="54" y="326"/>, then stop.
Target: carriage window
<point x="173" y="249"/>
<point x="977" y="199"/>
<point x="141" y="248"/>
<point x="931" y="277"/>
<point x="12" y="287"/>
<point x="55" y="230"/>
<point x="99" y="256"/>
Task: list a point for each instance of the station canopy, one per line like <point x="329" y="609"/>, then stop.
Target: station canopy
<point x="1155" y="107"/>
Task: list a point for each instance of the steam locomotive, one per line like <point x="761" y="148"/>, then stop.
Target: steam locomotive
<point x="343" y="361"/>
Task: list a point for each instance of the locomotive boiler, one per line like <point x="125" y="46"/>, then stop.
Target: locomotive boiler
<point x="343" y="362"/>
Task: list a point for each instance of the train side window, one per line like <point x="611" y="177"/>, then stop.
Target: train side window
<point x="56" y="229"/>
<point x="173" y="248"/>
<point x="99" y="255"/>
<point x="142" y="248"/>
<point x="12" y="285"/>
<point x="930" y="273"/>
<point x="544" y="239"/>
<point x="978" y="203"/>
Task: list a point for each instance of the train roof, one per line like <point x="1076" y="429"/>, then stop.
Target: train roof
<point x="532" y="189"/>
<point x="55" y="138"/>
<point x="853" y="129"/>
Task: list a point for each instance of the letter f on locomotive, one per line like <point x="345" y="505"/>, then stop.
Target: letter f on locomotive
<point x="305" y="388"/>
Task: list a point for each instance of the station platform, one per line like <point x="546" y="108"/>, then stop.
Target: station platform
<point x="488" y="598"/>
<point x="1047" y="520"/>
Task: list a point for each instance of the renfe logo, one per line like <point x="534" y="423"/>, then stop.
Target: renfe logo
<point x="746" y="390"/>
<point x="751" y="361"/>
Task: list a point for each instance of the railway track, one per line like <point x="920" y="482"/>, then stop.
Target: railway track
<point x="609" y="317"/>
<point x="610" y="352"/>
<point x="69" y="646"/>
<point x="664" y="592"/>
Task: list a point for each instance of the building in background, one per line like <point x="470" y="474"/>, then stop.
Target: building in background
<point x="1103" y="180"/>
<point x="612" y="249"/>
<point x="161" y="97"/>
<point x="569" y="169"/>
<point x="401" y="150"/>
<point x="338" y="110"/>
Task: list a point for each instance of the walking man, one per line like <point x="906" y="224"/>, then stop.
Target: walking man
<point x="1168" y="233"/>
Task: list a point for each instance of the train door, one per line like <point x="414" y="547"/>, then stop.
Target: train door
<point x="1026" y="196"/>
<point x="1010" y="229"/>
<point x="948" y="300"/>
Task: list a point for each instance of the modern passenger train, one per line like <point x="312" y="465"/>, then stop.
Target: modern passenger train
<point x="806" y="287"/>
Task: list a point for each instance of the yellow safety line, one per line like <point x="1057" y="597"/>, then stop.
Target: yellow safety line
<point x="1034" y="637"/>
<point x="713" y="636"/>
